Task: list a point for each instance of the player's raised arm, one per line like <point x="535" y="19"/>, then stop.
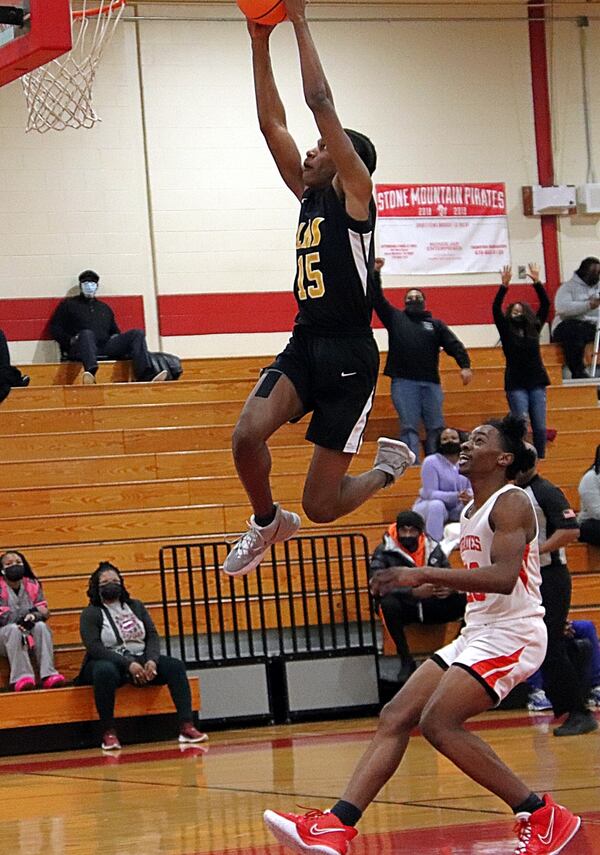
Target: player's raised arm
<point x="352" y="174"/>
<point x="271" y="112"/>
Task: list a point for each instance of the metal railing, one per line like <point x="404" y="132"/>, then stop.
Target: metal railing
<point x="308" y="598"/>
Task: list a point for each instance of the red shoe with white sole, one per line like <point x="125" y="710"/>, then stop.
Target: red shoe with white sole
<point x="546" y="831"/>
<point x="315" y="831"/>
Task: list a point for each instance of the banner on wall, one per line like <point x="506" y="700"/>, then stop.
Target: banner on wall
<point x="442" y="228"/>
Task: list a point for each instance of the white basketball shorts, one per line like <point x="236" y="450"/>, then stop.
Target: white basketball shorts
<point x="499" y="655"/>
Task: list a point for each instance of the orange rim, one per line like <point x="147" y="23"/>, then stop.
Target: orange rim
<point x="99" y="10"/>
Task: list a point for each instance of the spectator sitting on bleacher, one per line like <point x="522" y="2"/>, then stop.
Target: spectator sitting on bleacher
<point x="9" y="375"/>
<point x="444" y="491"/>
<point x="583" y="649"/>
<point x="576" y="303"/>
<point x="85" y="328"/>
<point x="123" y="646"/>
<point x="23" y="627"/>
<point x="589" y="497"/>
<point x="405" y="544"/>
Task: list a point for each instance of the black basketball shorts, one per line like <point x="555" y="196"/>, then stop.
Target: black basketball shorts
<point x="335" y="379"/>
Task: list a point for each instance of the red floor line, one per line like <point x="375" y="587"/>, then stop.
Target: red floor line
<point x="124" y="757"/>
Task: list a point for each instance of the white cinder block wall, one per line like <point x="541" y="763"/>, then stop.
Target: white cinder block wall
<point x="175" y="193"/>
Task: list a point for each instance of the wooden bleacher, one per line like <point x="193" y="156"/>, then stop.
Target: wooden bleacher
<point x="116" y="470"/>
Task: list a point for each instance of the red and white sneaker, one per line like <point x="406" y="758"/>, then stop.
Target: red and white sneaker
<point x="189" y="734"/>
<point x="110" y="741"/>
<point x="545" y="831"/>
<point x="314" y="831"/>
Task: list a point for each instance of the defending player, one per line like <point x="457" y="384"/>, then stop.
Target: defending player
<point x="503" y="643"/>
<point x="330" y="365"/>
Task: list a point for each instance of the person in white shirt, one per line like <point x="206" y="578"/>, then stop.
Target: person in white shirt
<point x="589" y="497"/>
<point x="576" y="304"/>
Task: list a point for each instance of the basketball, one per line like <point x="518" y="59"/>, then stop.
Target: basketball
<point x="268" y="12"/>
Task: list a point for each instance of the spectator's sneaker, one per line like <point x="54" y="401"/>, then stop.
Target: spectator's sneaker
<point x="538" y="701"/>
<point x="54" y="681"/>
<point x="393" y="457"/>
<point x="110" y="741"/>
<point x="88" y="378"/>
<point x="545" y="831"/>
<point x="25" y="684"/>
<point x="25" y="380"/>
<point x="249" y="550"/>
<point x="576" y="724"/>
<point x="594" y="699"/>
<point x="188" y="733"/>
<point x="162" y="375"/>
<point x="314" y="831"/>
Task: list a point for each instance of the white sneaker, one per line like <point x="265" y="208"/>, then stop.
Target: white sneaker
<point x="88" y="378"/>
<point x="393" y="457"/>
<point x="162" y="375"/>
<point x="249" y="550"/>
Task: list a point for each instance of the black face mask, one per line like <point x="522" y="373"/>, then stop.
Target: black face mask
<point x="415" y="309"/>
<point x="449" y="447"/>
<point x="519" y="320"/>
<point x="593" y="281"/>
<point x="111" y="591"/>
<point x="411" y="544"/>
<point x="14" y="573"/>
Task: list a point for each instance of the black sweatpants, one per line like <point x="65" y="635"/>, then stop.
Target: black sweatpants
<point x="562" y="682"/>
<point x="128" y="345"/>
<point x="399" y="609"/>
<point x="106" y="678"/>
<point x="589" y="532"/>
<point x="573" y="335"/>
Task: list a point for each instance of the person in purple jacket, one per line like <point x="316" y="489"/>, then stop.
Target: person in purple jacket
<point x="444" y="492"/>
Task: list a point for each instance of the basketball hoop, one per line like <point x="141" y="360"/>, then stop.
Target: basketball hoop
<point x="59" y="94"/>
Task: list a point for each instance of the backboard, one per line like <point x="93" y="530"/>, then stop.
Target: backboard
<point x="44" y="35"/>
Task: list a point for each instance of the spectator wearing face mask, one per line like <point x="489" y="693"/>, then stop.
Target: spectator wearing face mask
<point x="85" y="328"/>
<point x="23" y="628"/>
<point x="405" y="544"/>
<point x="415" y="339"/>
<point x="576" y="304"/>
<point x="123" y="646"/>
<point x="444" y="491"/>
<point x="525" y="378"/>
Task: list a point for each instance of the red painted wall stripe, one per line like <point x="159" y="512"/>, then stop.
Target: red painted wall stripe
<point x="210" y="314"/>
<point x="27" y="319"/>
<point x="543" y="137"/>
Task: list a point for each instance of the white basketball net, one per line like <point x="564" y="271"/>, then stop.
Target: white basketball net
<point x="59" y="94"/>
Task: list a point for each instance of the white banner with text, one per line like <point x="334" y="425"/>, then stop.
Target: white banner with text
<point x="442" y="228"/>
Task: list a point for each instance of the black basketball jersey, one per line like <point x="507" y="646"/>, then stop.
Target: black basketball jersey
<point x="334" y="273"/>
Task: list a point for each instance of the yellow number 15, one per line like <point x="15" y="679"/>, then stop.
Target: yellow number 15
<point x="308" y="272"/>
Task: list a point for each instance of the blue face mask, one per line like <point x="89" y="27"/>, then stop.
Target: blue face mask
<point x="88" y="289"/>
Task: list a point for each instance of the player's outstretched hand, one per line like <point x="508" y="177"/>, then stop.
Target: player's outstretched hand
<point x="296" y="9"/>
<point x="506" y="274"/>
<point x="384" y="581"/>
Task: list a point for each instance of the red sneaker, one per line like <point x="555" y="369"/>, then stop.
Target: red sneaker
<point x="545" y="831"/>
<point x="188" y="733"/>
<point x="314" y="831"/>
<point x="110" y="741"/>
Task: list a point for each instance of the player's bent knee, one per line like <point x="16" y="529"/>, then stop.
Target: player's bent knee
<point x="396" y="719"/>
<point x="434" y="728"/>
<point x="318" y="512"/>
<point x="244" y="439"/>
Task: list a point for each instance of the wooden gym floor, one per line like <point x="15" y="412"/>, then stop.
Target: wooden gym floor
<point x="157" y="799"/>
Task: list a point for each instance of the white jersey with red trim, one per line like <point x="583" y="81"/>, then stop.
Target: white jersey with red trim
<point x="476" y="537"/>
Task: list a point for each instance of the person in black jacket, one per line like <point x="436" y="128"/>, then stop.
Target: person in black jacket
<point x="415" y="339"/>
<point x="9" y="375"/>
<point x="405" y="544"/>
<point x="558" y="526"/>
<point x="85" y="327"/>
<point x="123" y="646"/>
<point x="525" y="378"/>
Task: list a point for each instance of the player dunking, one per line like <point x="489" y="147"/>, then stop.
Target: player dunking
<point x="330" y="365"/>
<point x="503" y="643"/>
